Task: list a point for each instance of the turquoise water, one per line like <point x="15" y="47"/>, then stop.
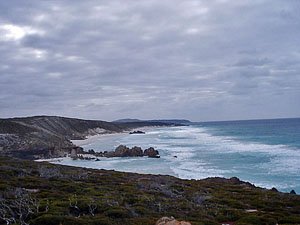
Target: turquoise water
<point x="263" y="152"/>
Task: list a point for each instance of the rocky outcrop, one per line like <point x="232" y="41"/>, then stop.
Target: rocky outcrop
<point x="137" y="132"/>
<point x="171" y="221"/>
<point x="120" y="151"/>
<point x="274" y="189"/>
<point x="151" y="153"/>
<point x="136" y="151"/>
<point x="124" y="151"/>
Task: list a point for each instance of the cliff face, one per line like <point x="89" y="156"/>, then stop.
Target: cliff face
<point x="47" y="132"/>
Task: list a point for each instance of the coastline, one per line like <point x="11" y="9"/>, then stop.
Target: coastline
<point x="121" y="164"/>
<point x="190" y="152"/>
<point x="187" y="153"/>
<point x="43" y="136"/>
<point x="124" y="165"/>
<point x="89" y="139"/>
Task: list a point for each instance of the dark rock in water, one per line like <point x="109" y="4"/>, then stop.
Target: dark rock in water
<point x="121" y="151"/>
<point x="293" y="192"/>
<point x="175" y="156"/>
<point x="97" y="160"/>
<point x="274" y="189"/>
<point x="124" y="151"/>
<point x="137" y="132"/>
<point x="91" y="151"/>
<point x="152" y="153"/>
<point x="75" y="151"/>
<point x="136" y="151"/>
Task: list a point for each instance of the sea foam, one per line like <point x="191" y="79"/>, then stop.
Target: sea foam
<point x="196" y="152"/>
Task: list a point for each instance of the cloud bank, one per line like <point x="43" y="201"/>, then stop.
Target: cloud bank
<point x="200" y="60"/>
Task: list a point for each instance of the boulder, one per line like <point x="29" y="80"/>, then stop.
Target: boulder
<point x="124" y="151"/>
<point x="293" y="192"/>
<point x="136" y="151"/>
<point x="73" y="154"/>
<point x="171" y="221"/>
<point x="121" y="151"/>
<point x="151" y="152"/>
<point x="91" y="151"/>
<point x="137" y="132"/>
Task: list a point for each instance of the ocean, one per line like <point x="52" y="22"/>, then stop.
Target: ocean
<point x="263" y="152"/>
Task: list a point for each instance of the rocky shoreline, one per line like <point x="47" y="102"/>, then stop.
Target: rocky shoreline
<point x="43" y="137"/>
<point x="120" y="151"/>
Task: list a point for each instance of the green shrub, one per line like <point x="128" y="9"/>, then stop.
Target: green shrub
<point x="117" y="213"/>
<point x="48" y="220"/>
<point x="290" y="220"/>
<point x="252" y="219"/>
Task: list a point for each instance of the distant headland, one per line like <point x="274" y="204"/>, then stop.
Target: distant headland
<point x="50" y="136"/>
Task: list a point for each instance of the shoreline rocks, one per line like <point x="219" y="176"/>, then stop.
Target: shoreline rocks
<point x="120" y="151"/>
<point x="151" y="153"/>
<point x="137" y="132"/>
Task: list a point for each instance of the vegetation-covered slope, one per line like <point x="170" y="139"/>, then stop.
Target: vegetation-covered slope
<point x="54" y="194"/>
<point x="44" y="132"/>
<point x="31" y="137"/>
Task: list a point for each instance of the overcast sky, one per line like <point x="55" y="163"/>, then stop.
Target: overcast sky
<point x="199" y="60"/>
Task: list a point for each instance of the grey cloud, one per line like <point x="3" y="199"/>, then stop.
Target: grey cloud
<point x="253" y="62"/>
<point x="200" y="60"/>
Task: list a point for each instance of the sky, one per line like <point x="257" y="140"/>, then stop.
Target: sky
<point x="150" y="59"/>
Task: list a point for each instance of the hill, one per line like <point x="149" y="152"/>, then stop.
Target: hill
<point x="39" y="134"/>
<point x="50" y="136"/>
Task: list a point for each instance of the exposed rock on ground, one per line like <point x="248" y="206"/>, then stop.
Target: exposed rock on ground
<point x="293" y="192"/>
<point x="171" y="221"/>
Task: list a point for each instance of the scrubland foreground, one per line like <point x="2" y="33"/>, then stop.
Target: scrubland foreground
<point x="42" y="193"/>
